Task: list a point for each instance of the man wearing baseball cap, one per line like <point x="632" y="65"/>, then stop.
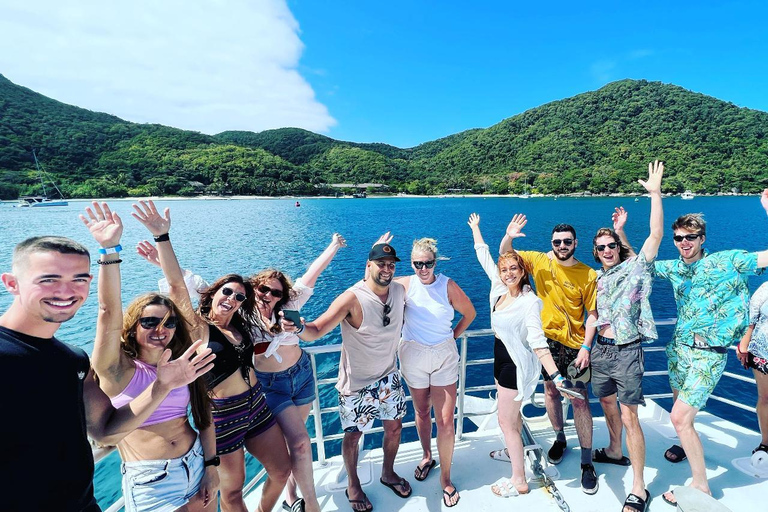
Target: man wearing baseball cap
<point x="369" y="385"/>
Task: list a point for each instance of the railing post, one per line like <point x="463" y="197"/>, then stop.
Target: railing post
<point x="317" y="415"/>
<point x="462" y="386"/>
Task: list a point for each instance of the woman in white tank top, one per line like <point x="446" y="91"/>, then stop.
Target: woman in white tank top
<point x="429" y="360"/>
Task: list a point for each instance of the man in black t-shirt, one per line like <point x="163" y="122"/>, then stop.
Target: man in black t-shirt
<point x="51" y="398"/>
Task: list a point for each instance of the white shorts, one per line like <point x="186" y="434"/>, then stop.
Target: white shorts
<point x="423" y="366"/>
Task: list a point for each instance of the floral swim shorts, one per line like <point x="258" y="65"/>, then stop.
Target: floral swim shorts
<point x="382" y="400"/>
<point x="694" y="372"/>
<point x="758" y="363"/>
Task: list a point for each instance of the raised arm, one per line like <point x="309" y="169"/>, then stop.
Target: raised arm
<point x="514" y="230"/>
<point x="109" y="361"/>
<point x="321" y="263"/>
<point x="108" y="425"/>
<point x="160" y="226"/>
<point x="653" y="186"/>
<point x="619" y="218"/>
<point x="762" y="257"/>
<point x="463" y="305"/>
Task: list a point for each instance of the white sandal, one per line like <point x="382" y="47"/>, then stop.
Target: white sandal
<point x="505" y="487"/>
<point x="500" y="455"/>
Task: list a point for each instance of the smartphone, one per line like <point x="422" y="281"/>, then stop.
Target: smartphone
<point x="570" y="392"/>
<point x="293" y="316"/>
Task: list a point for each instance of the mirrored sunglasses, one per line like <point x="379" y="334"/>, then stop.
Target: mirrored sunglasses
<point x="150" y="322"/>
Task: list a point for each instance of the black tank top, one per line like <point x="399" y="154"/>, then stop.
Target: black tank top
<point x="229" y="357"/>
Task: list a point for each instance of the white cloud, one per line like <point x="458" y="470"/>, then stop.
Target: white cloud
<point x="602" y="70"/>
<point x="205" y="65"/>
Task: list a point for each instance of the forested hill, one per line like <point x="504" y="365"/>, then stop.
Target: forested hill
<point x="599" y="141"/>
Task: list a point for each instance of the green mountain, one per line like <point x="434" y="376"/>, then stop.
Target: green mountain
<point x="599" y="141"/>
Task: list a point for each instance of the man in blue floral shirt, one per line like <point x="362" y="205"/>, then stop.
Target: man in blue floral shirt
<point x="712" y="298"/>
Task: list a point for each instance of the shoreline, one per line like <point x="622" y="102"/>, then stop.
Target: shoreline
<point x="380" y="196"/>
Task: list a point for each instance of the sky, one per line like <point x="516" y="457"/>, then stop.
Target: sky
<point x="398" y="72"/>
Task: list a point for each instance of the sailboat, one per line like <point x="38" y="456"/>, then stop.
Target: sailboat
<point x="43" y="200"/>
<point x="525" y="194"/>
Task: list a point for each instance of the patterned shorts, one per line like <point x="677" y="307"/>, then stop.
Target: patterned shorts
<point x="383" y="400"/>
<point x="240" y="417"/>
<point x="694" y="373"/>
<point x="758" y="363"/>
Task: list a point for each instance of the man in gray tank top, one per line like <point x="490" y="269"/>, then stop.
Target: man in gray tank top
<point x="371" y="317"/>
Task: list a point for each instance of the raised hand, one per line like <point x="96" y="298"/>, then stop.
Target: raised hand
<point x="148" y="251"/>
<point x="384" y="239"/>
<point x="146" y="213"/>
<point x="105" y="226"/>
<point x="474" y="221"/>
<point x="764" y="200"/>
<point x="655" y="172"/>
<point x="619" y="218"/>
<point x="186" y="368"/>
<point x="339" y="240"/>
<point x="516" y="225"/>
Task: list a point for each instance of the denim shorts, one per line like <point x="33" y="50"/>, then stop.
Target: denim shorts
<point x="162" y="485"/>
<point x="294" y="386"/>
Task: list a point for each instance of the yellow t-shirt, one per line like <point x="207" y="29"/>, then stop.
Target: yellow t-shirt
<point x="567" y="292"/>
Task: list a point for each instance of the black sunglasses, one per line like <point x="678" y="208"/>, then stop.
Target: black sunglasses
<point x="421" y="264"/>
<point x="239" y="297"/>
<point x="690" y="237"/>
<point x="601" y="248"/>
<point x="566" y="241"/>
<point x="150" y="322"/>
<point x="278" y="294"/>
<point x="387" y="309"/>
<point x="383" y="264"/>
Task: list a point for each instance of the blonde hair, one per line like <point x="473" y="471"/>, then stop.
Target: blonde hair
<point x="425" y="245"/>
<point x="691" y="222"/>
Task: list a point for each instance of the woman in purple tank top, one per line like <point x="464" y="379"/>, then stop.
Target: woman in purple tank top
<point x="163" y="460"/>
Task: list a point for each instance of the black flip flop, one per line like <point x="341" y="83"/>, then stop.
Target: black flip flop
<point x="761" y="448"/>
<point x="450" y="495"/>
<point x="423" y="471"/>
<point x="678" y="453"/>
<point x="369" y="509"/>
<point x="402" y="483"/>
<point x="601" y="456"/>
<point x="298" y="506"/>
<point x="635" y="502"/>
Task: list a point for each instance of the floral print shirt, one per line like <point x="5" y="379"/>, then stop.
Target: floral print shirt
<point x="711" y="295"/>
<point x="622" y="300"/>
<point x="758" y="315"/>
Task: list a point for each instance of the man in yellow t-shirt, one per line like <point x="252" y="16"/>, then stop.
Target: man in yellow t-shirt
<point x="568" y="289"/>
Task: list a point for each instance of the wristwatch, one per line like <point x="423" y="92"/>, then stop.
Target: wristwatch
<point x="215" y="461"/>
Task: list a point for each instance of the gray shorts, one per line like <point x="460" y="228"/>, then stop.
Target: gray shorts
<point x="618" y="369"/>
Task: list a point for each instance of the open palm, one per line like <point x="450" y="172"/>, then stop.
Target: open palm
<point x="185" y="368"/>
<point x="146" y="213"/>
<point x="105" y="226"/>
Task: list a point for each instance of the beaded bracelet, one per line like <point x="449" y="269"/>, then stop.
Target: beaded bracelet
<point x="109" y="262"/>
<point x="162" y="238"/>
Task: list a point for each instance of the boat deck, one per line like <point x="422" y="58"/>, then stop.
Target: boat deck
<point x="474" y="471"/>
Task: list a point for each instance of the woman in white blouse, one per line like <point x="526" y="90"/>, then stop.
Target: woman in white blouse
<point x="519" y="352"/>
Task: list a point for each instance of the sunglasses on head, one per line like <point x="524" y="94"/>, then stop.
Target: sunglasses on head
<point x="150" y="322"/>
<point x="567" y="241"/>
<point x="239" y="297"/>
<point x="601" y="248"/>
<point x="387" y="309"/>
<point x="278" y="294"/>
<point x="421" y="264"/>
<point x="690" y="237"/>
<point x="383" y="264"/>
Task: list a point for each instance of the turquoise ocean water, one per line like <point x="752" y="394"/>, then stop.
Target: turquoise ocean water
<point x="213" y="237"/>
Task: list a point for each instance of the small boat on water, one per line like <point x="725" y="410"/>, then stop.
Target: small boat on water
<point x="41" y="200"/>
<point x="687" y="195"/>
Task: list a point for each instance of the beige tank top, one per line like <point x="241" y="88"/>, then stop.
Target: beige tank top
<point x="370" y="352"/>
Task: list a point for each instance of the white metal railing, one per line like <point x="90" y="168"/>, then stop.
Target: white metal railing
<point x="320" y="438"/>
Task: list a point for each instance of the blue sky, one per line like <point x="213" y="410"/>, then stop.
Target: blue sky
<point x="407" y="72"/>
<point x="398" y="72"/>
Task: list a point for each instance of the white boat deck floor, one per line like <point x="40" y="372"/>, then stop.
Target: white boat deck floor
<point x="474" y="472"/>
